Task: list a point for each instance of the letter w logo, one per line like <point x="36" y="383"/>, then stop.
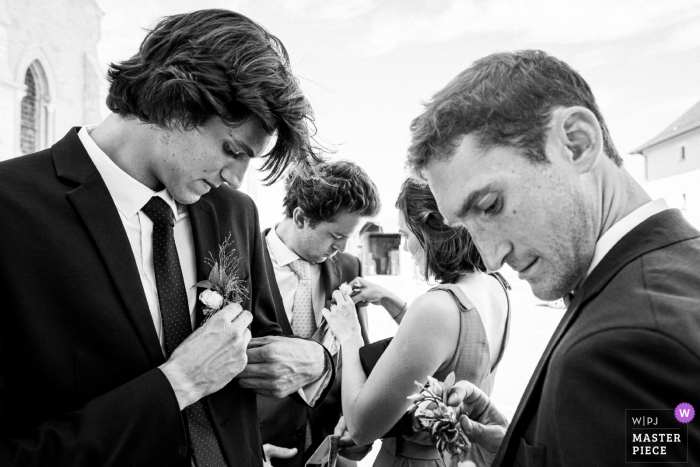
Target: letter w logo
<point x="685" y="412"/>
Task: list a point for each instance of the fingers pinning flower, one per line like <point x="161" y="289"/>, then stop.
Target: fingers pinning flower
<point x="436" y="418"/>
<point x="345" y="289"/>
<point x="211" y="299"/>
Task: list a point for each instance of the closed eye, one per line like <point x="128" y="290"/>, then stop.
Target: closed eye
<point x="230" y="152"/>
<point x="490" y="204"/>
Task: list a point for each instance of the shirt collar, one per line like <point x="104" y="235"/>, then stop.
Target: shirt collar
<point x="622" y="227"/>
<point x="129" y="194"/>
<point x="278" y="250"/>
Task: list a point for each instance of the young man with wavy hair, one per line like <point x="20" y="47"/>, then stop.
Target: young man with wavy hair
<point x="306" y="263"/>
<point x="104" y="237"/>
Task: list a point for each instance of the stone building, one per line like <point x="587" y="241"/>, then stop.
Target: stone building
<point x="672" y="164"/>
<point x="49" y="75"/>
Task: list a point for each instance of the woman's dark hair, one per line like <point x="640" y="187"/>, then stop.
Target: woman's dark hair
<point x="329" y="189"/>
<point x="449" y="251"/>
<point x="216" y="63"/>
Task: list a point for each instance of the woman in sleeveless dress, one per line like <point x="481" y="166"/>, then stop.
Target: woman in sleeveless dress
<point x="460" y="325"/>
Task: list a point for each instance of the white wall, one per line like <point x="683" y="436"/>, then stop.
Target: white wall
<point x="63" y="36"/>
<point x="664" y="159"/>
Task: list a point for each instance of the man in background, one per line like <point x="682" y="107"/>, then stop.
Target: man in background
<point x="306" y="263"/>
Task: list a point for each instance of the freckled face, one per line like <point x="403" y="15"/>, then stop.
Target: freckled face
<point x="529" y="215"/>
<point x="189" y="163"/>
<point x="411" y="244"/>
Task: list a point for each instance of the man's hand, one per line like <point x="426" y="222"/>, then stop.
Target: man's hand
<point x="210" y="357"/>
<point x="279" y="366"/>
<point x="272" y="451"/>
<point x="348" y="448"/>
<point x="481" y="421"/>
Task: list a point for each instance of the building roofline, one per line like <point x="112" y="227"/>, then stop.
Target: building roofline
<point x="656" y="142"/>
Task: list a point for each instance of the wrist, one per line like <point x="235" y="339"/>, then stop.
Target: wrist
<point x="184" y="389"/>
<point x="353" y="339"/>
<point x="400" y="307"/>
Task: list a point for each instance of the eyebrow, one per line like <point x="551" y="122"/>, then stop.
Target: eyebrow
<point x="249" y="152"/>
<point x="471" y="200"/>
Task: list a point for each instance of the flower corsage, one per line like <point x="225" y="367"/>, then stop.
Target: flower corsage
<point x="438" y="419"/>
<point x="224" y="285"/>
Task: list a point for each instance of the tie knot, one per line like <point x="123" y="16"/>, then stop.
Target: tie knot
<point x="301" y="269"/>
<point x="158" y="211"/>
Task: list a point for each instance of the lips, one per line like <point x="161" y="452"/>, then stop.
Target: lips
<point x="522" y="274"/>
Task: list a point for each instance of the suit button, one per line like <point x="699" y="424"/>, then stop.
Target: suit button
<point x="182" y="451"/>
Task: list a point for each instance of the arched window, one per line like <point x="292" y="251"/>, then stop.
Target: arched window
<point x="34" y="116"/>
<point x="28" y="126"/>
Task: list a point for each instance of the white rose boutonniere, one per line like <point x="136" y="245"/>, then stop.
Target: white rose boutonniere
<point x="224" y="285"/>
<point x="211" y="299"/>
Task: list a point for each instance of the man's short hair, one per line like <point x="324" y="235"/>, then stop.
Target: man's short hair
<point x="504" y="99"/>
<point x="216" y="63"/>
<point x="449" y="250"/>
<point x="329" y="189"/>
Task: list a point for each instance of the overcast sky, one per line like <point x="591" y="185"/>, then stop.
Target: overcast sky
<point x="366" y="65"/>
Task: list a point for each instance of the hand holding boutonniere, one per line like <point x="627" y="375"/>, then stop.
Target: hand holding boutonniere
<point x="439" y="420"/>
<point x="224" y="285"/>
<point x="342" y="315"/>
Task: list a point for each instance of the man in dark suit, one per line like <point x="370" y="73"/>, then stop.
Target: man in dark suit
<point x="515" y="149"/>
<point x="306" y="264"/>
<point x="103" y="237"/>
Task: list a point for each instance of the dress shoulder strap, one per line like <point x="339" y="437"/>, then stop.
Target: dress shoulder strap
<point x="457" y="295"/>
<point x="506" y="333"/>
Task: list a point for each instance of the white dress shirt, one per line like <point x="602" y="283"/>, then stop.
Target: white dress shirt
<point x="288" y="281"/>
<point x="129" y="196"/>
<point x="622" y="227"/>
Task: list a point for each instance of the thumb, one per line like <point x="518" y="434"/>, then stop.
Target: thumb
<point x="279" y="452"/>
<point x="340" y="427"/>
<point x="488" y="436"/>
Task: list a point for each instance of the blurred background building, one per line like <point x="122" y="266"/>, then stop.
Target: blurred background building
<point x="49" y="75"/>
<point x="672" y="164"/>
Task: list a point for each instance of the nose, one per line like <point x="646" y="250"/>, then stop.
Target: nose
<point x="340" y="245"/>
<point x="404" y="246"/>
<point x="493" y="249"/>
<point x="234" y="171"/>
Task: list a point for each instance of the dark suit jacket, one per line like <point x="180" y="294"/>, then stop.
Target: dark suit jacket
<point x="79" y="384"/>
<point x="630" y="339"/>
<point x="282" y="422"/>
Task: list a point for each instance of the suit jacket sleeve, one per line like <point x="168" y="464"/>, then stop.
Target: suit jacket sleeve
<point x="606" y="373"/>
<point x="145" y="425"/>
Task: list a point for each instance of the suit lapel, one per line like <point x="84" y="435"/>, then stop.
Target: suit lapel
<point x="95" y="206"/>
<point x="660" y="230"/>
<point x="330" y="276"/>
<point x="205" y="234"/>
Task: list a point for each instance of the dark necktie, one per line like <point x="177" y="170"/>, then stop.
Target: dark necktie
<point x="175" y="316"/>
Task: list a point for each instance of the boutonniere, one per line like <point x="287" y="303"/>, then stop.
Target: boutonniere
<point x="224" y="285"/>
<point x="438" y="419"/>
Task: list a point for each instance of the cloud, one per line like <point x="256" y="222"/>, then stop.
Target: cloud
<point x="530" y="21"/>
<point x="336" y="10"/>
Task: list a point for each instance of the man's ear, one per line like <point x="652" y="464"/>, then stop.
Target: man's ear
<point x="299" y="217"/>
<point x="580" y="135"/>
